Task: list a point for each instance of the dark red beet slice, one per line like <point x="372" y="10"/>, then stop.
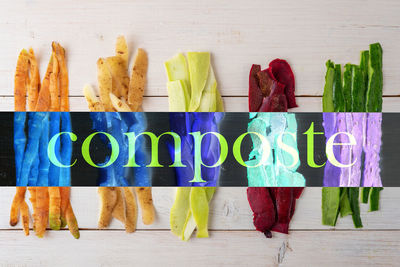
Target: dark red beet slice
<point x="297" y="191"/>
<point x="265" y="82"/>
<point x="284" y="198"/>
<point x="296" y="195"/>
<point x="273" y="207"/>
<point x="283" y="73"/>
<point x="293" y="208"/>
<point x="263" y="209"/>
<point x="276" y="102"/>
<point x="255" y="94"/>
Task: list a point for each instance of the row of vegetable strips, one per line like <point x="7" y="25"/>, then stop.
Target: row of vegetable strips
<point x="273" y="90"/>
<point x="193" y="92"/>
<point x="51" y="205"/>
<point x="358" y="90"/>
<point x="123" y="93"/>
<point x="192" y="87"/>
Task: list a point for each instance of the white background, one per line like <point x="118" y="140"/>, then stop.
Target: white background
<point x="238" y="34"/>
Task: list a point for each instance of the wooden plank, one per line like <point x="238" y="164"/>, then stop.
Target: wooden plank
<point x="229" y="210"/>
<point x="232" y="104"/>
<point x="224" y="248"/>
<point x="238" y="35"/>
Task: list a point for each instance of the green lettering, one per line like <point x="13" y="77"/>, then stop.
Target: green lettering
<point x="154" y="149"/>
<point x="114" y="150"/>
<point x="198" y="162"/>
<point x="310" y="147"/>
<point x="51" y="150"/>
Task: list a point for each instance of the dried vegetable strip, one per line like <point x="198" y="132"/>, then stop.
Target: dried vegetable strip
<point x="280" y="168"/>
<point x="120" y="93"/>
<point x="192" y="86"/>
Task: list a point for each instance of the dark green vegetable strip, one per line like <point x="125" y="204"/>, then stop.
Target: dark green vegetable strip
<point x="374" y="198"/>
<point x="347" y="74"/>
<point x="353" y="84"/>
<point x="358" y="89"/>
<point x="338" y="97"/>
<point x="375" y="79"/>
<point x="364" y="61"/>
<point x="355" y="207"/>
<point x="344" y="206"/>
<point x="364" y="68"/>
<point x="330" y="205"/>
<point x="327" y="98"/>
<point x="330" y="195"/>
<point x="365" y="194"/>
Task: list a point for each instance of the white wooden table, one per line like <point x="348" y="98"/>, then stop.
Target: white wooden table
<point x="238" y="33"/>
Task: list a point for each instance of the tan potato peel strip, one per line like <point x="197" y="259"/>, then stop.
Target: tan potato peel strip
<point x="121" y="50"/>
<point x="146" y="204"/>
<point x="138" y="80"/>
<point x="119" y="209"/>
<point x="108" y="200"/>
<point x="131" y="210"/>
<point x="93" y="101"/>
<point x="120" y="78"/>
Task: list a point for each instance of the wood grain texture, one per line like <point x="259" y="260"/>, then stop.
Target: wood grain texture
<point x="224" y="248"/>
<point x="306" y="33"/>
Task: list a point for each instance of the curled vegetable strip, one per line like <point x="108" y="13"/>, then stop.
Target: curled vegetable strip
<point x="19" y="141"/>
<point x="32" y="146"/>
<point x="43" y="174"/>
<point x="280" y="168"/>
<point x="66" y="149"/>
<point x="54" y="171"/>
<point x="357" y="130"/>
<point x="372" y="148"/>
<point x="192" y="87"/>
<point x="345" y="124"/>
<point x="116" y="124"/>
<point x="331" y="172"/>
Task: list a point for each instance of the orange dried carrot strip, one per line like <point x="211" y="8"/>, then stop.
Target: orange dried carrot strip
<point x="63" y="76"/>
<point x="20" y="81"/>
<point x="55" y="208"/>
<point x="43" y="102"/>
<point x="25" y="217"/>
<point x="34" y="85"/>
<point x="42" y="208"/>
<point x="32" y="192"/>
<point x="16" y="204"/>
<point x="72" y="222"/>
<point x="20" y="84"/>
<point x="53" y="86"/>
<point x="64" y="194"/>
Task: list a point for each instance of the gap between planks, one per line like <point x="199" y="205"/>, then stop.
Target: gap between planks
<point x="210" y="230"/>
